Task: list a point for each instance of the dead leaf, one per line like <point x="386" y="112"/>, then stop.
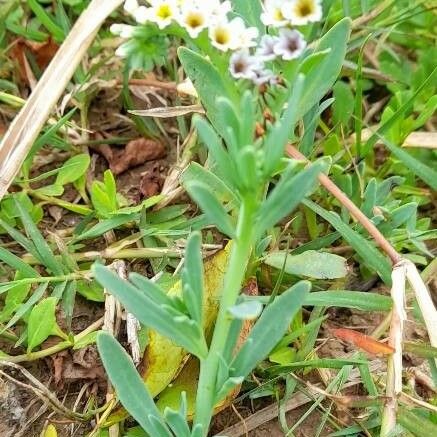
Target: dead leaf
<point x="363" y="342"/>
<point x="151" y="182"/>
<point x="136" y="152"/>
<point x="42" y="52"/>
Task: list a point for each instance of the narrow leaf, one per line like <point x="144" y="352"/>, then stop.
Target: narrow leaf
<point x="269" y="329"/>
<point x="211" y="206"/>
<point x="371" y="256"/>
<point x="130" y="389"/>
<point x="287" y="194"/>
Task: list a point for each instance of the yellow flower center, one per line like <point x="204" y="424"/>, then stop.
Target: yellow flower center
<point x="164" y="11"/>
<point x="221" y="36"/>
<point x="194" y="20"/>
<point x="304" y="8"/>
<point x="277" y="14"/>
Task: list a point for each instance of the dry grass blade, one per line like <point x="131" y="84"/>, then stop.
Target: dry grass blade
<point x="424" y="140"/>
<point x="27" y="124"/>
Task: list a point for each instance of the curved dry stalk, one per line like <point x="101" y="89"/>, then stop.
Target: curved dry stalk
<point x="28" y="123"/>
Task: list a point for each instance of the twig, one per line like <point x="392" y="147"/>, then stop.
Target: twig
<point x="41" y="391"/>
<point x="352" y="208"/>
<point x="394" y="364"/>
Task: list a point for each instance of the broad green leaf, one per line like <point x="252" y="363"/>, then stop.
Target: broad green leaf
<point x="167" y="321"/>
<point x="364" y="301"/>
<point x="195" y="172"/>
<point x="51" y="190"/>
<point x="211" y="206"/>
<point x="248" y="310"/>
<point x="208" y="82"/>
<point x="127" y="382"/>
<point x="318" y="265"/>
<point x="269" y="329"/>
<point x="73" y="169"/>
<point x="91" y="290"/>
<point x="287" y="194"/>
<point x="250" y="11"/>
<point x="316" y="84"/>
<point x="41" y="323"/>
<point x="14" y="298"/>
<point x="368" y="252"/>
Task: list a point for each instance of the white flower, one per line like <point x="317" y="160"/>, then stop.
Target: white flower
<point x="245" y="35"/>
<point x="162" y="12"/>
<point x="141" y="15"/>
<point x="223" y="35"/>
<point x="266" y="48"/>
<point x="263" y="76"/>
<point x="216" y="8"/>
<point x="193" y="18"/>
<point x="272" y="14"/>
<point x="301" y="12"/>
<point x="130" y="6"/>
<point x="290" y="44"/>
<point x="244" y="66"/>
<point x="123" y="30"/>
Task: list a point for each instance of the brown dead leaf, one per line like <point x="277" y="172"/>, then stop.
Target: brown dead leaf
<point x="151" y="182"/>
<point x="43" y="53"/>
<point x="135" y="153"/>
<point x="71" y="366"/>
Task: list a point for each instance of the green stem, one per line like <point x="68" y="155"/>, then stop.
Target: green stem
<point x="232" y="284"/>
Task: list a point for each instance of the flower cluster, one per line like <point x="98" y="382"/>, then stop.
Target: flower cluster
<point x="250" y="54"/>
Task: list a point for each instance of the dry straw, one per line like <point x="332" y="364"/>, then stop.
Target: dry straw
<point x="28" y="123"/>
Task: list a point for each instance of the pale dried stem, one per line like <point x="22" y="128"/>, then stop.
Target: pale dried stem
<point x="394" y="364"/>
<point x="424" y="300"/>
<point x="28" y="123"/>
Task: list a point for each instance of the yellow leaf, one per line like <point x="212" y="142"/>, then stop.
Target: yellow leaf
<point x="163" y="360"/>
<point x="187" y="379"/>
<point x="50" y="431"/>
